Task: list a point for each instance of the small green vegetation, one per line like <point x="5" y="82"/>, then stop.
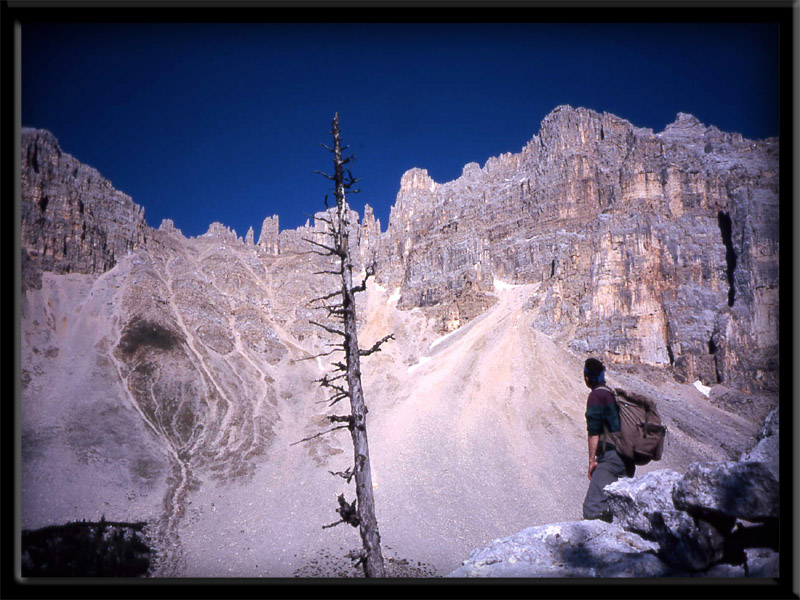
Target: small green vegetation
<point x="140" y="333"/>
<point x="84" y="549"/>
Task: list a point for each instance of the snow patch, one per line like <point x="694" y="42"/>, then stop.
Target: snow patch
<point x="438" y="341"/>
<point x="705" y="390"/>
<point x="502" y="285"/>
<point x="395" y="296"/>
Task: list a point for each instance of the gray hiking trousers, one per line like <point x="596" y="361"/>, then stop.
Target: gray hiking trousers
<point x="609" y="468"/>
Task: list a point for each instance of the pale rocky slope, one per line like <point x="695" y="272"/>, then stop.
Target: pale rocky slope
<point x="168" y="383"/>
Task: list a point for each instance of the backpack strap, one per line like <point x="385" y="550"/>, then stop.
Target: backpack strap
<point x="605" y="429"/>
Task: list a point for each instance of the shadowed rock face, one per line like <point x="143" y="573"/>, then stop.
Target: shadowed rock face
<point x="165" y="378"/>
<point x="73" y="220"/>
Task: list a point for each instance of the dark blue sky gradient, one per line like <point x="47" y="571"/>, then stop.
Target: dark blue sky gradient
<point x="221" y="122"/>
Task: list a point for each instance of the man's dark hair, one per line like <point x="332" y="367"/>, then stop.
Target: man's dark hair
<point x="593" y="367"/>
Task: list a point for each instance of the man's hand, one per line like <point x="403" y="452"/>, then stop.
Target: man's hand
<point x="593" y="441"/>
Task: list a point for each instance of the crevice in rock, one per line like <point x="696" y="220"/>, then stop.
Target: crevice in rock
<point x="725" y="228"/>
<point x="670" y="355"/>
<point x="712" y="350"/>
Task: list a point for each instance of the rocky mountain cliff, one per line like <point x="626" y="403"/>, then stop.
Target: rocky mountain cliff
<point x="73" y="220"/>
<point x="653" y="248"/>
<point x="166" y="378"/>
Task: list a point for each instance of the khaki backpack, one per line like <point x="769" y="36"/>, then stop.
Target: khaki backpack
<point x="641" y="433"/>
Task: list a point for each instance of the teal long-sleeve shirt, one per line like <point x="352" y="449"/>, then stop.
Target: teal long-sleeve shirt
<point x="601" y="408"/>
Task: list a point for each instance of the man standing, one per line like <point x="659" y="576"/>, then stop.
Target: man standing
<point x="602" y="419"/>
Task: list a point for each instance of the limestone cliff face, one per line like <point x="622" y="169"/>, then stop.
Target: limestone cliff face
<point x="653" y="248"/>
<point x="73" y="220"/>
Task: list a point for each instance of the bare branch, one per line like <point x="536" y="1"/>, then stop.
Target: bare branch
<point x="370" y="272"/>
<point x="315" y="356"/>
<point x="332" y="251"/>
<point x="340" y="419"/>
<point x="347" y="475"/>
<point x="338" y="313"/>
<point x="377" y="346"/>
<point x="320" y="434"/>
<point x="333" y="401"/>
<point x="325" y="175"/>
<point x="325" y="381"/>
<point x="329" y="329"/>
<point x="347" y="512"/>
<point x="326" y="297"/>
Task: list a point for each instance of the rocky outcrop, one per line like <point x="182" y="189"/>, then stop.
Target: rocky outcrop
<point x="719" y="519"/>
<point x="653" y="248"/>
<point x="73" y="220"/>
<point x="573" y="549"/>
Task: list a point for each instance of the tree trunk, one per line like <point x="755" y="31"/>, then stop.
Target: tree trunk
<point x="368" y="524"/>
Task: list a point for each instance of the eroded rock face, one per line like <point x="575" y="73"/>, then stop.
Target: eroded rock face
<point x="73" y="220"/>
<point x="653" y="248"/>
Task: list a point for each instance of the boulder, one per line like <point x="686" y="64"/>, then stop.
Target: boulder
<point x="744" y="490"/>
<point x="766" y="450"/>
<point x="633" y="501"/>
<point x="571" y="549"/>
<point x="760" y="563"/>
<point x="686" y="543"/>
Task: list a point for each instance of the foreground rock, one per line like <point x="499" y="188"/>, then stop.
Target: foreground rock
<point x="574" y="549"/>
<point x="719" y="519"/>
<point x="743" y="490"/>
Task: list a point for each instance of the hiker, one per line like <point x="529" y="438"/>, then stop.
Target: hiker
<point x="605" y="464"/>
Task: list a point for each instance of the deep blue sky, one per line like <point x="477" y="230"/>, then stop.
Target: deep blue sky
<point x="221" y="122"/>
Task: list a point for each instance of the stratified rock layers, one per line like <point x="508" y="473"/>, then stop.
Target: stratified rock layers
<point x="653" y="248"/>
<point x="73" y="220"/>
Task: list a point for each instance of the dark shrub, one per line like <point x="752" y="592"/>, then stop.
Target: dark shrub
<point x="139" y="333"/>
<point x="82" y="549"/>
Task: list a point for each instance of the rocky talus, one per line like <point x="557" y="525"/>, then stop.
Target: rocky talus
<point x="169" y="379"/>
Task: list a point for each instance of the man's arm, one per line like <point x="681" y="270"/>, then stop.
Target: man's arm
<point x="593" y="441"/>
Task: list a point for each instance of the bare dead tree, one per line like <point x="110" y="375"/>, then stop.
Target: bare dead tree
<point x="345" y="382"/>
